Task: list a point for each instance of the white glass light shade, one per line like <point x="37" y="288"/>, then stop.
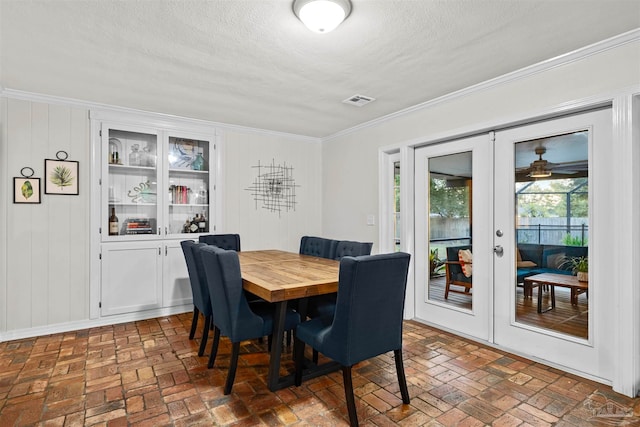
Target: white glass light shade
<point x="322" y="16"/>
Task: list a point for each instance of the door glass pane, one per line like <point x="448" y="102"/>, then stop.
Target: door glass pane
<point x="450" y="229"/>
<point x="552" y="233"/>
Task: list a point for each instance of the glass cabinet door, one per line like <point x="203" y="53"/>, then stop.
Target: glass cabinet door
<point x="188" y="185"/>
<point x="130" y="184"/>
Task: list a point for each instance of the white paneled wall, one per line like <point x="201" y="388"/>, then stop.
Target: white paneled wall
<point x="46" y="277"/>
<point x="45" y="249"/>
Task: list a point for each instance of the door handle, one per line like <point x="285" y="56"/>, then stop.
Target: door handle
<point x="499" y="251"/>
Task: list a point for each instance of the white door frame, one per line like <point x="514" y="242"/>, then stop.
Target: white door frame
<point x="386" y="158"/>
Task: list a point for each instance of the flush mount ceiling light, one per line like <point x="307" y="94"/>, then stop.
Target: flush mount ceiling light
<point x="322" y="16"/>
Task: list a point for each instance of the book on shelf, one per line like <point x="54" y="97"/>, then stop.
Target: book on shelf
<point x="138" y="226"/>
<point x="179" y="194"/>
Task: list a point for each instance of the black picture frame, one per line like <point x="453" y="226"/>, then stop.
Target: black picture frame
<point x="26" y="190"/>
<point x="61" y="177"/>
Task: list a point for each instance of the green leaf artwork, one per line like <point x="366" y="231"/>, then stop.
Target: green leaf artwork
<point x="61" y="176"/>
<point x="27" y="190"/>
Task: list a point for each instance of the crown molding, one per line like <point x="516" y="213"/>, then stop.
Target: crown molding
<point x="160" y="119"/>
<point x="561" y="60"/>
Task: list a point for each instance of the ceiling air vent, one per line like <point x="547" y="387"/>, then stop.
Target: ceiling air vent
<point x="358" y="100"/>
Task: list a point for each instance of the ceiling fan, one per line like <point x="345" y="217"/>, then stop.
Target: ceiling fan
<point x="541" y="168"/>
<point x="538" y="168"/>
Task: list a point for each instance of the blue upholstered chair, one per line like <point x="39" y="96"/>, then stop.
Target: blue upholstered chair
<point x="349" y="248"/>
<point x="326" y="304"/>
<point x="199" y="291"/>
<point x="318" y="246"/>
<point x="233" y="317"/>
<point x="223" y="241"/>
<point x="367" y="320"/>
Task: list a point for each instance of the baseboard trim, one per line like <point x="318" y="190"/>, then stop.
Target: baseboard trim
<point x="38" y="331"/>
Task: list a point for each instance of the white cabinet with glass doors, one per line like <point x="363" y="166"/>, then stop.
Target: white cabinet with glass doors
<point x="155" y="184"/>
<point x="156" y="187"/>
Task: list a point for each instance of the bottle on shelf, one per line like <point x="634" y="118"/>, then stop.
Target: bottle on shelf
<point x="149" y="157"/>
<point x="134" y="156"/>
<point x="193" y="228"/>
<point x="198" y="163"/>
<point x="113" y="223"/>
<point x="202" y="224"/>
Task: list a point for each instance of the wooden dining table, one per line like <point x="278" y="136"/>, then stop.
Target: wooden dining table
<point x="280" y="277"/>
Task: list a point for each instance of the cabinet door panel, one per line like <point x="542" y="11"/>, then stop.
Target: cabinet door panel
<point x="130" y="183"/>
<point x="190" y="165"/>
<point x="131" y="277"/>
<point x="176" y="287"/>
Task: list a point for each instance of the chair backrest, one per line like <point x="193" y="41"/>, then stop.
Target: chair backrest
<point x="223" y="241"/>
<point x="369" y="307"/>
<point x="199" y="288"/>
<point x="318" y="246"/>
<point x="231" y="311"/>
<point x="349" y="248"/>
<point x="455" y="270"/>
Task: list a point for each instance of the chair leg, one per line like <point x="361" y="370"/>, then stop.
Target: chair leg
<point x="402" y="380"/>
<point x="298" y="351"/>
<point x="348" y="393"/>
<point x="214" y="347"/>
<point x="194" y="322"/>
<point x="205" y="335"/>
<point x="288" y="337"/>
<point x="233" y="365"/>
<point x="446" y="290"/>
<point x="315" y="356"/>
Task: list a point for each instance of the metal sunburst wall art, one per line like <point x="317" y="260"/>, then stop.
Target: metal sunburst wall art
<point x="274" y="187"/>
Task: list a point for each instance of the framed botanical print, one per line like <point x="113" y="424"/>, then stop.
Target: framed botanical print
<point x="61" y="177"/>
<point x="26" y="190"/>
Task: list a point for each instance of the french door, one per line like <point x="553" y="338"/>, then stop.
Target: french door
<point x="562" y="217"/>
<point x="524" y="201"/>
<point x="453" y="208"/>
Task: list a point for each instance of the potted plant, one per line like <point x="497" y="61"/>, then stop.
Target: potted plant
<point x="435" y="263"/>
<point x="579" y="265"/>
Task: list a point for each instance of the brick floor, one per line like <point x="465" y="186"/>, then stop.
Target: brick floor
<point x="147" y="373"/>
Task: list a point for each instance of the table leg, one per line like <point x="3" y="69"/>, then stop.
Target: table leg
<point x="274" y="380"/>
<point x="552" y="295"/>
<point x="539" y="299"/>
<point x="273" y="376"/>
<point x="528" y="293"/>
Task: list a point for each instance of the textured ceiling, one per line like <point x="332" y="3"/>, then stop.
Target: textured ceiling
<point x="252" y="63"/>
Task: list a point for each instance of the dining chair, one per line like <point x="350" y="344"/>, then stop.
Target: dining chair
<point x="199" y="292"/>
<point x="326" y="304"/>
<point x="350" y="248"/>
<point x="367" y="321"/>
<point x="233" y="317"/>
<point x="223" y="241"/>
<point x="318" y="247"/>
